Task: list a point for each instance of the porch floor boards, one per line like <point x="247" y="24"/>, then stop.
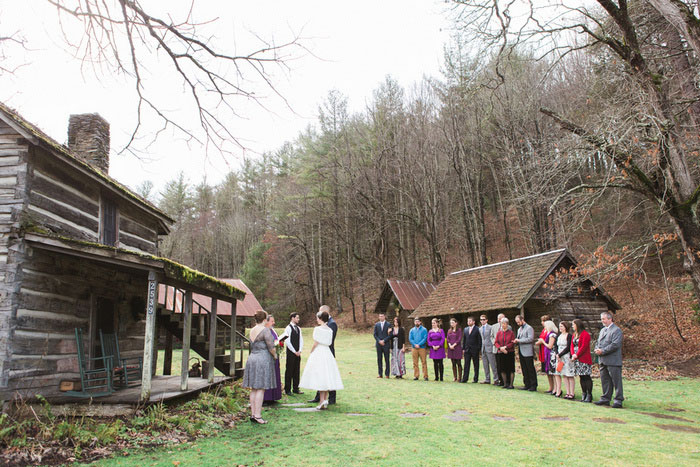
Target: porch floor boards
<point x="163" y="388"/>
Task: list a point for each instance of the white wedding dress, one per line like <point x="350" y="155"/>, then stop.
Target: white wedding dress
<point x="321" y="370"/>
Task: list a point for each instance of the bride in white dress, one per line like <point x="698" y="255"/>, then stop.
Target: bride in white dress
<point x="321" y="370"/>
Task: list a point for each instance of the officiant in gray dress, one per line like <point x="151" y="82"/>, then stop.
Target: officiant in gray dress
<point x="259" y="372"/>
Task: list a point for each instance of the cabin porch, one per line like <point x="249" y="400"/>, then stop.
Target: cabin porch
<point x="69" y="285"/>
<point x="164" y="388"/>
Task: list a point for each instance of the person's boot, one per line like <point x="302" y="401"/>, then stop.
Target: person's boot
<point x="589" y="397"/>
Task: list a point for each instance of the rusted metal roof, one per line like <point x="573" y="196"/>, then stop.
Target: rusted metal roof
<point x="498" y="286"/>
<point x="246" y="307"/>
<point x="409" y="294"/>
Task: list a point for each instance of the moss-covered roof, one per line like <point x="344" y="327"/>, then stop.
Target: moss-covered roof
<point x="171" y="269"/>
<point x="53" y="145"/>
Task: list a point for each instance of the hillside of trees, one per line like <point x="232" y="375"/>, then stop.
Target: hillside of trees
<point x="510" y="152"/>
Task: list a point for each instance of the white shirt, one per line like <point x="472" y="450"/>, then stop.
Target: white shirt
<point x="288" y="343"/>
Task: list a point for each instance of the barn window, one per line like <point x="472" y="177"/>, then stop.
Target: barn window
<point x="109" y="223"/>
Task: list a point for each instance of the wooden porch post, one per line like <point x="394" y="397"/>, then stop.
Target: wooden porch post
<point x="186" y="335"/>
<point x="232" y="359"/>
<point x="168" y="356"/>
<point x="148" y="341"/>
<point x="212" y="341"/>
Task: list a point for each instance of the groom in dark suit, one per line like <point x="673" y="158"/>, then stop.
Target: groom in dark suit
<point x="381" y="338"/>
<point x="334" y="327"/>
<point x="471" y="346"/>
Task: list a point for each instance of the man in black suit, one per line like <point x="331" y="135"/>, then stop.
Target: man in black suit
<point x="471" y="346"/>
<point x="334" y="327"/>
<point x="381" y="339"/>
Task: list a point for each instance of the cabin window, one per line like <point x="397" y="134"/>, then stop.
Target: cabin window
<point x="109" y="223"/>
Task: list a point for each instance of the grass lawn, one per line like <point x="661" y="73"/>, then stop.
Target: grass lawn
<point x="385" y="438"/>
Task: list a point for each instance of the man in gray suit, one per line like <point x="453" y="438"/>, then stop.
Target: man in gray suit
<point x="609" y="352"/>
<point x="526" y="336"/>
<point x="488" y="357"/>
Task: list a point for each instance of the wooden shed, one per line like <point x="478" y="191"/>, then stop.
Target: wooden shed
<point x="404" y="295"/>
<point x="78" y="250"/>
<point x="531" y="286"/>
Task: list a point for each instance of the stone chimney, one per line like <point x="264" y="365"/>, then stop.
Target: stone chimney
<point x="88" y="138"/>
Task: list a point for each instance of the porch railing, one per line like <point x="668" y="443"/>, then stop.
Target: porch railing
<point x="201" y="320"/>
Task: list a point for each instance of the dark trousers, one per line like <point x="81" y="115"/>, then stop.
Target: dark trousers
<point x="291" y="372"/>
<point x="498" y="370"/>
<point x="439" y="368"/>
<point x="331" y="394"/>
<point x="383" y="351"/>
<point x="527" y="365"/>
<point x="611" y="377"/>
<point x="469" y="358"/>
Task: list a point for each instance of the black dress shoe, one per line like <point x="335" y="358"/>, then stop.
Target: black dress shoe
<point x="616" y="405"/>
<point x="313" y="401"/>
<point x="602" y="402"/>
<point x="524" y="388"/>
<point x="533" y="389"/>
<point x="288" y="393"/>
<point x="298" y="392"/>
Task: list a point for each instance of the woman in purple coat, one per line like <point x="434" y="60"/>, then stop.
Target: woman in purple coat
<point x="454" y="349"/>
<point x="273" y="395"/>
<point x="436" y="344"/>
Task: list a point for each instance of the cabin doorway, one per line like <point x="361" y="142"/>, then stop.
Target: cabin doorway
<point x="105" y="319"/>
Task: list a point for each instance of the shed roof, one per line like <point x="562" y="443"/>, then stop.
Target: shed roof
<point x="498" y="286"/>
<point x="248" y="306"/>
<point x="409" y="294"/>
<point x="34" y="135"/>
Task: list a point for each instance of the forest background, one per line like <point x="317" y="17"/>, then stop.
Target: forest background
<point x="516" y="149"/>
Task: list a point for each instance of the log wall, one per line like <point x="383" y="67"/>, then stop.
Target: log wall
<point x="13" y="173"/>
<point x="64" y="201"/>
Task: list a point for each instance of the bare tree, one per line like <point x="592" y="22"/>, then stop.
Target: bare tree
<point x="157" y="48"/>
<point x="647" y="47"/>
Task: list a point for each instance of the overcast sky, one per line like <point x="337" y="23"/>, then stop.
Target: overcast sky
<point x="353" y="46"/>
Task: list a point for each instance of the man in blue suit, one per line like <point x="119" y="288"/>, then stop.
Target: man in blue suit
<point x="381" y="338"/>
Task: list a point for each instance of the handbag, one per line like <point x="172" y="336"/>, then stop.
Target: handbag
<point x="560" y="366"/>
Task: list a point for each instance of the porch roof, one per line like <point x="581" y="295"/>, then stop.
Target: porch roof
<point x="170" y="272"/>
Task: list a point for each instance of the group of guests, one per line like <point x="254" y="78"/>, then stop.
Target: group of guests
<point x="564" y="353"/>
<point x="262" y="370"/>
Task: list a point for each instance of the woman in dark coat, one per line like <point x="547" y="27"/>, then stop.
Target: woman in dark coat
<point x="506" y="354"/>
<point x="397" y="339"/>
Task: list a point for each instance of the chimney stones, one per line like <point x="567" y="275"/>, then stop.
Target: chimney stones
<point x="88" y="139"/>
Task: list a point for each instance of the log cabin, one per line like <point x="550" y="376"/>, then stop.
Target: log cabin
<point x="80" y="250"/>
<point x="531" y="287"/>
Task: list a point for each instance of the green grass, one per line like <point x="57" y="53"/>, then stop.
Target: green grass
<point x="334" y="438"/>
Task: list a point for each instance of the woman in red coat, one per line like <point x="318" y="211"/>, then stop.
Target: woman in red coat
<point x="506" y="354"/>
<point x="581" y="356"/>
